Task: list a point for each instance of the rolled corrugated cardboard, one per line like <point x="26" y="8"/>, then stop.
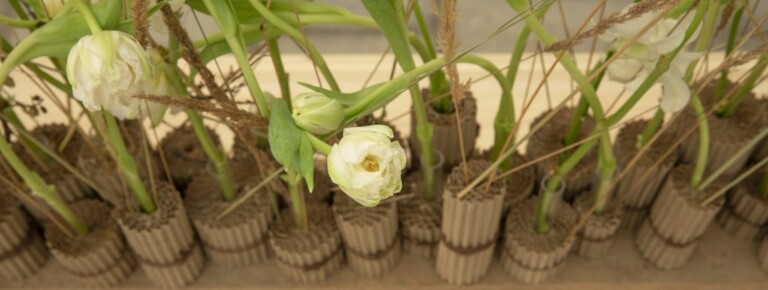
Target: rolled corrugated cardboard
<point x="550" y="137"/>
<point x="163" y="241"/>
<point x="419" y="220"/>
<point x="596" y="236"/>
<point x="371" y="235"/>
<point x="469" y="225"/>
<point x="762" y="254"/>
<point x="727" y="135"/>
<point x="101" y="258"/>
<point x="311" y="254"/>
<point x="676" y="221"/>
<point x="240" y="237"/>
<point x="22" y="251"/>
<point x="745" y="212"/>
<point x="445" y="136"/>
<point x="635" y="192"/>
<point x="532" y="257"/>
<point x="184" y="155"/>
<point x="520" y="183"/>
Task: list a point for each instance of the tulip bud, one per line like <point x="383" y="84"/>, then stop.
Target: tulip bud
<point x="316" y="113"/>
<point x="367" y="165"/>
<point x="165" y="83"/>
<point x="106" y="70"/>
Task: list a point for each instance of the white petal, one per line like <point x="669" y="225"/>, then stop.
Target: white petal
<point x="675" y="95"/>
<point x="624" y="70"/>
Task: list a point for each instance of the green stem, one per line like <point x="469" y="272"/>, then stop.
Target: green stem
<point x="40" y="188"/>
<point x="745" y="88"/>
<point x="707" y="32"/>
<point x="566" y="61"/>
<point x="554" y="181"/>
<point x="21" y="23"/>
<point x="290" y="18"/>
<point x="505" y="116"/>
<point x="298" y="205"/>
<point x="18" y="9"/>
<point x="387" y="92"/>
<point x="701" y="159"/>
<point x="9" y="63"/>
<point x="127" y="165"/>
<point x="227" y="21"/>
<point x="238" y="50"/>
<point x="607" y="168"/>
<point x="299" y="37"/>
<point x="575" y="128"/>
<point x="651" y="128"/>
<point x="517" y="54"/>
<point x="215" y="155"/>
<point x="588" y="93"/>
<point x="64" y="163"/>
<point x="318" y="144"/>
<point x="314" y="19"/>
<point x="390" y="17"/>
<point x="582" y="107"/>
<point x="730" y="45"/>
<point x="93" y="24"/>
<point x="277" y="62"/>
<point x="438" y="83"/>
<point x="424" y="31"/>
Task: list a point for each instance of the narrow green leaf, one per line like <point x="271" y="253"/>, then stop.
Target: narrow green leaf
<point x="284" y="136"/>
<point x="343" y="98"/>
<point x="307" y="161"/>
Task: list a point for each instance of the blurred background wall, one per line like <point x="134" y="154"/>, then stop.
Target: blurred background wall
<point x="477" y="20"/>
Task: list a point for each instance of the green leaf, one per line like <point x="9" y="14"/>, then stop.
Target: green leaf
<point x="391" y="21"/>
<point x="284" y="136"/>
<point x="307" y="161"/>
<point x="224" y="14"/>
<point x="290" y="145"/>
<point x="248" y="15"/>
<point x="343" y="98"/>
<point x="57" y="37"/>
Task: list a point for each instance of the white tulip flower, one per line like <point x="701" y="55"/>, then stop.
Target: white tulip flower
<point x="106" y="70"/>
<point x="367" y="165"/>
<point x="165" y="83"/>
<point x="636" y="63"/>
<point x="317" y="113"/>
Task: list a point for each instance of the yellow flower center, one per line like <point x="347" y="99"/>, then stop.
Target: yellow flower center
<point x="370" y="164"/>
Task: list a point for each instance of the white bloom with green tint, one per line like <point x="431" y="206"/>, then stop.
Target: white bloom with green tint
<point x="106" y="70"/>
<point x="638" y="61"/>
<point x="367" y="165"/>
<point x="165" y="83"/>
<point x="317" y="113"/>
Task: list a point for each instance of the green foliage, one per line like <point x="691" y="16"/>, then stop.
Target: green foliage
<point x="57" y="37"/>
<point x="290" y="146"/>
